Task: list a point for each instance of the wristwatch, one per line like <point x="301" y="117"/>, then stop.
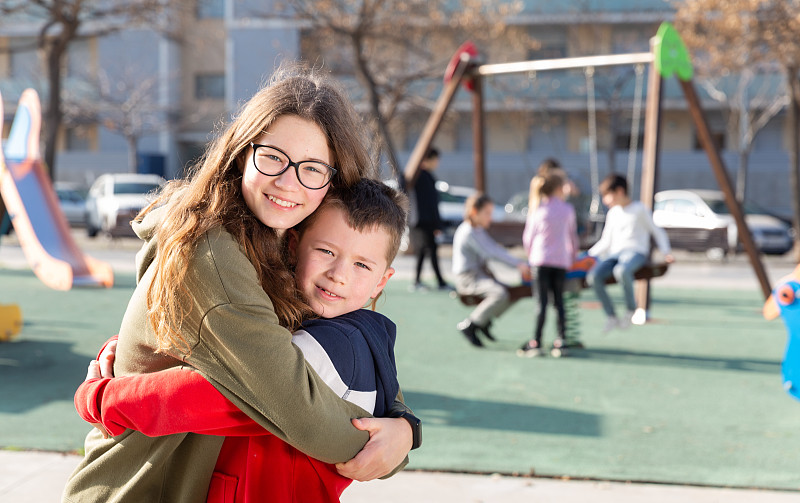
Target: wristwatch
<point x="416" y="427"/>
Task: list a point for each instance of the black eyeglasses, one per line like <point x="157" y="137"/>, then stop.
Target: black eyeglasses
<point x="272" y="161"/>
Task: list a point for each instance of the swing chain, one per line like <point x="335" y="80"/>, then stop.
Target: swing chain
<point x="594" y="208"/>
<point x="635" y="120"/>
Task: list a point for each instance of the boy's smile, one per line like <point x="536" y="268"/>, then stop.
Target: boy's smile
<point x="338" y="268"/>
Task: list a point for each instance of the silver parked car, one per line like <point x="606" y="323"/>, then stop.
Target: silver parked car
<point x="699" y="220"/>
<point x="115" y="199"/>
<point x="72" y="202"/>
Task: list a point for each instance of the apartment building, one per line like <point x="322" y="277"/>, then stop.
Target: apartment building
<point x="229" y="48"/>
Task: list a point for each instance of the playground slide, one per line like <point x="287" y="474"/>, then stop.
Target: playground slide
<point x="33" y="206"/>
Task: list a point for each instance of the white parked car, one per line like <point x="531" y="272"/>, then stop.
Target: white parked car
<point x="452" y="203"/>
<point x="699" y="219"/>
<point x="115" y="199"/>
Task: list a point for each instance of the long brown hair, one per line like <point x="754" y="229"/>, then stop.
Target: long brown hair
<point x="212" y="198"/>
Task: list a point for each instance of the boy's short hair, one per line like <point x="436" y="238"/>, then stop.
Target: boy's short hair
<point x="368" y="204"/>
<point x="431" y="153"/>
<point x="613" y="182"/>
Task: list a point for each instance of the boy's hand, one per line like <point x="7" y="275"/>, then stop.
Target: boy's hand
<point x="668" y="258"/>
<point x="389" y="443"/>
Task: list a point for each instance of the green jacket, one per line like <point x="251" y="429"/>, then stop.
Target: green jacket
<point x="237" y="344"/>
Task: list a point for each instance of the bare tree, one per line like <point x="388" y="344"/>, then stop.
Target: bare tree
<point x="393" y="47"/>
<point x="63" y="22"/>
<point x="128" y="106"/>
<point x="753" y="101"/>
<point x="737" y="34"/>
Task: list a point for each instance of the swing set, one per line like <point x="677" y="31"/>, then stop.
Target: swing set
<point x="668" y="56"/>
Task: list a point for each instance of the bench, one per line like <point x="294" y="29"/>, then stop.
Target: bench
<point x="647" y="271"/>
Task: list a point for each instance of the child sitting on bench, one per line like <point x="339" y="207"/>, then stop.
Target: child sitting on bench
<point x="623" y="248"/>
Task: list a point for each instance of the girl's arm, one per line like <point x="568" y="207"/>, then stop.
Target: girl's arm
<point x="175" y="400"/>
<point x="573" y="233"/>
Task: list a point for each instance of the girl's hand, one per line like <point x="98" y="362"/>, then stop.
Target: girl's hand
<point x="106" y="360"/>
<point x="102" y="369"/>
<point x="390" y="440"/>
<point x="94" y="371"/>
<point x="525" y="272"/>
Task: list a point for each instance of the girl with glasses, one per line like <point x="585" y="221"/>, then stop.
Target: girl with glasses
<point x="214" y="293"/>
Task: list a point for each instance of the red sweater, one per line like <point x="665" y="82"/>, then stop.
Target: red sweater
<point x="253" y="465"/>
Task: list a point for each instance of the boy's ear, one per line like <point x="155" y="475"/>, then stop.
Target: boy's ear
<point x="382" y="283"/>
<point x="294" y="240"/>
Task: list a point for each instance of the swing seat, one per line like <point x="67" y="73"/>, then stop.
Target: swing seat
<point x="647" y="271"/>
<point x="514" y="292"/>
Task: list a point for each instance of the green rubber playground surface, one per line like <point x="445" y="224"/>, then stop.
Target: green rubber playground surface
<point x="692" y="398"/>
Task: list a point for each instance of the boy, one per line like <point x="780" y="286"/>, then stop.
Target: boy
<point x="623" y="248"/>
<point x="342" y="255"/>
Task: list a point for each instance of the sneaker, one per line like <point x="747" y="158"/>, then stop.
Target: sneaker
<point x="611" y="323"/>
<point x="559" y="348"/>
<point x="530" y="349"/>
<point x="485" y="331"/>
<point x="468" y="328"/>
<point x="625" y="321"/>
<point x="639" y="317"/>
<point x="444" y="287"/>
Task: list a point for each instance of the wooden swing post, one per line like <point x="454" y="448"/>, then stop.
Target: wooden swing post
<point x="432" y="125"/>
<point x="650" y="150"/>
<point x="721" y="174"/>
<point x="478" y="134"/>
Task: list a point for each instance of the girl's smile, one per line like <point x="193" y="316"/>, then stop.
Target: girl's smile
<point x="281" y="201"/>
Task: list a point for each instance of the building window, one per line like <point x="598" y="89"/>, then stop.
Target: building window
<point x="78" y="59"/>
<point x="623" y="141"/>
<point x="209" y="86"/>
<point x="210" y="9"/>
<point x="551" y="43"/>
<point x="23" y="60"/>
<point x="78" y="138"/>
<point x="718" y="139"/>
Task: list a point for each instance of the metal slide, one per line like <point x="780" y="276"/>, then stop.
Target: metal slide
<point x="33" y="206"/>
